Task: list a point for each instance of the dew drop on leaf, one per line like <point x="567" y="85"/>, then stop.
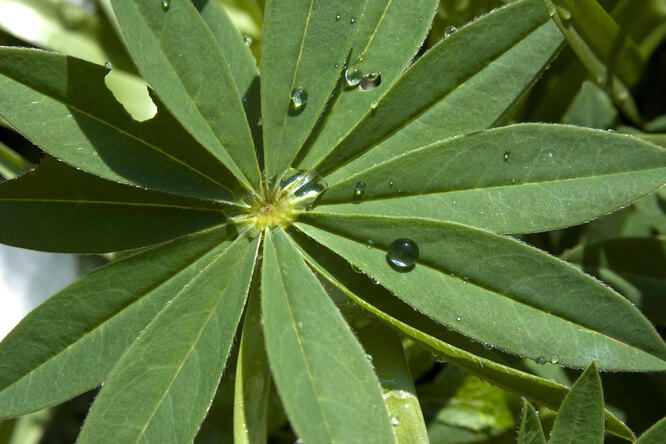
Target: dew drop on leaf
<point x="540" y="360"/>
<point x="371" y="81"/>
<point x="359" y="190"/>
<point x="108" y="65"/>
<point x="449" y="31"/>
<point x="458" y="318"/>
<point x="356" y="269"/>
<point x="353" y="76"/>
<point x="402" y="254"/>
<point x="352" y="20"/>
<point x="507" y="155"/>
<point x="338" y="17"/>
<point x="248" y="40"/>
<point x="370" y="243"/>
<point x="395" y="421"/>
<point x="299" y="98"/>
<point x="487" y="346"/>
<point x="166" y="4"/>
<point x="555" y="359"/>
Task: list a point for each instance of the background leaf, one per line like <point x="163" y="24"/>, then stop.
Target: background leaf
<point x="58" y="208"/>
<point x="173" y="368"/>
<point x="654" y="434"/>
<point x="321" y="372"/>
<point x="530" y="428"/>
<point x="76" y="336"/>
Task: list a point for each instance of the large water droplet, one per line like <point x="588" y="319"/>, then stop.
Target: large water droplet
<point x="165" y="5"/>
<point x="507" y="155"/>
<point x="402" y="254"/>
<point x="308" y="191"/>
<point x="359" y="190"/>
<point x="299" y="98"/>
<point x="449" y="31"/>
<point x="371" y="81"/>
<point x="540" y="360"/>
<point x="555" y="359"/>
<point x="353" y="76"/>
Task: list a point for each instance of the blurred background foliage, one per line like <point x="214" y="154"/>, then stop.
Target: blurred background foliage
<point x="611" y="76"/>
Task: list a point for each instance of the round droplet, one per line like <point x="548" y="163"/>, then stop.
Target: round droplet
<point x="108" y="65"/>
<point x="395" y="421"/>
<point x="165" y="5"/>
<point x="507" y="155"/>
<point x="449" y="31"/>
<point x="299" y="98"/>
<point x="513" y="181"/>
<point x="338" y="17"/>
<point x="390" y="183"/>
<point x="540" y="360"/>
<point x="371" y="81"/>
<point x="361" y="57"/>
<point x="458" y="318"/>
<point x="487" y="346"/>
<point x="248" y="40"/>
<point x="337" y="65"/>
<point x="370" y="243"/>
<point x="353" y="76"/>
<point x="402" y="254"/>
<point x="555" y="359"/>
<point x="359" y="190"/>
<point x="352" y="20"/>
<point x="356" y="269"/>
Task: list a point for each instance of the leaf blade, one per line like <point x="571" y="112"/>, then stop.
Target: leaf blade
<point x="531" y="431"/>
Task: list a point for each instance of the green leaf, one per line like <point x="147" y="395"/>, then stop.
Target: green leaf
<point x="610" y="56"/>
<point x="71" y="342"/>
<point x="383" y="344"/>
<point x="635" y="266"/>
<point x="443" y="94"/>
<point x="62" y="104"/>
<point x="531" y="431"/>
<point x="591" y="108"/>
<point x="653" y="207"/>
<point x="535" y="177"/>
<point x="390" y="33"/>
<point x="303" y="42"/>
<point x="532" y="304"/>
<point x="167" y="378"/>
<point x="321" y="372"/>
<point x="646" y="25"/>
<point x="442" y="342"/>
<point x="581" y="416"/>
<point x="57" y="208"/>
<point x="655" y="434"/>
<point x="180" y="71"/>
<point x="12" y="164"/>
<point x="253" y="378"/>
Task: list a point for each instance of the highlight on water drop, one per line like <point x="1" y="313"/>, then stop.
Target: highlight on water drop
<point x="507" y="155"/>
<point x="299" y="98"/>
<point x="353" y="76"/>
<point x="449" y="31"/>
<point x="359" y="190"/>
<point x="165" y="5"/>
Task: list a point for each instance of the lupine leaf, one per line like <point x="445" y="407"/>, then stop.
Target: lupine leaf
<point x="531" y="431"/>
<point x="173" y="368"/>
<point x="75" y="338"/>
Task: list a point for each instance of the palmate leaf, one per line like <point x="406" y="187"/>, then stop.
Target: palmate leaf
<point x="531" y="431"/>
<point x="198" y="89"/>
<point x="58" y="208"/>
<point x="75" y="338"/>
<point x="516" y="179"/>
<point x="322" y="375"/>
<point x="174" y="366"/>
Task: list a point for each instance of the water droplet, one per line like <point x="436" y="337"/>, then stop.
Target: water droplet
<point x="338" y="17"/>
<point x="165" y="5"/>
<point x="449" y="31"/>
<point x="359" y="190"/>
<point x="488" y="346"/>
<point x="458" y="318"/>
<point x="361" y="57"/>
<point x="370" y="243"/>
<point x="371" y="81"/>
<point x="352" y="20"/>
<point x="395" y="421"/>
<point x="337" y="65"/>
<point x="353" y="76"/>
<point x="308" y="191"/>
<point x="300" y="324"/>
<point x="507" y="155"/>
<point x="540" y="360"/>
<point x="356" y="269"/>
<point x="374" y="105"/>
<point x="108" y="65"/>
<point x="248" y="40"/>
<point x="299" y="98"/>
<point x="555" y="359"/>
<point x="390" y="183"/>
<point x="513" y="181"/>
<point x="402" y="254"/>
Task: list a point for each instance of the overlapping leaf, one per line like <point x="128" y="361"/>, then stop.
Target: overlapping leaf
<point x="173" y="368"/>
<point x="58" y="208"/>
<point x="531" y="431"/>
<point x="71" y="342"/>
<point x="192" y="77"/>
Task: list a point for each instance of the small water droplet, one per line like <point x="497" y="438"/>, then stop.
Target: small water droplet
<point x="402" y="254"/>
<point x="540" y="360"/>
<point x="507" y="155"/>
<point x="361" y="57"/>
<point x="299" y="98"/>
<point x="108" y="65"/>
<point x="338" y="17"/>
<point x="356" y="269"/>
<point x="513" y="181"/>
<point x="353" y="76"/>
<point x="165" y="5"/>
<point x="371" y="81"/>
<point x="359" y="190"/>
<point x="555" y="359"/>
<point x="395" y="421"/>
<point x="449" y="31"/>
<point x="248" y="40"/>
<point x="458" y="318"/>
<point x="337" y="65"/>
<point x="369" y="357"/>
<point x="374" y="105"/>
<point x="487" y="346"/>
<point x="370" y="243"/>
<point x="352" y="20"/>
